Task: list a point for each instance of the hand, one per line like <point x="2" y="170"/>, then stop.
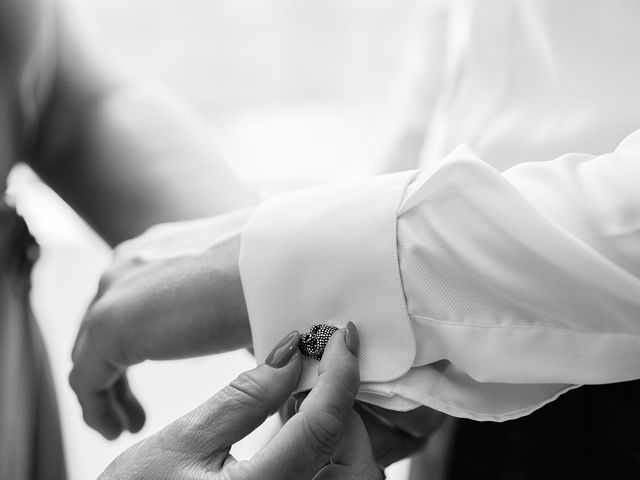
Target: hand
<point x="325" y="440"/>
<point x="174" y="292"/>
<point x="394" y="435"/>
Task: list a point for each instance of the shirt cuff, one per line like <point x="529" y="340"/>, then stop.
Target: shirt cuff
<point x="328" y="255"/>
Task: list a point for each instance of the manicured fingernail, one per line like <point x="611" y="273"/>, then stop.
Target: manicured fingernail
<point x="351" y="338"/>
<point x="283" y="351"/>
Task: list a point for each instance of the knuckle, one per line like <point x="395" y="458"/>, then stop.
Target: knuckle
<point x="109" y="280"/>
<point x="88" y="419"/>
<point x="74" y="379"/>
<point x="128" y="251"/>
<point x="323" y="431"/>
<point x="178" y="435"/>
<point x="101" y="322"/>
<point x="246" y="389"/>
<point x="96" y="414"/>
<point x="123" y="264"/>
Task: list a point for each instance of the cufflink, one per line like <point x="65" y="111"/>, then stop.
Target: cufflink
<point x="312" y="344"/>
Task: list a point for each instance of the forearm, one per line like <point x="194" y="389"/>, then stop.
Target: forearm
<point x="118" y="149"/>
<point x="177" y="292"/>
<point x="138" y="159"/>
<point x="478" y="293"/>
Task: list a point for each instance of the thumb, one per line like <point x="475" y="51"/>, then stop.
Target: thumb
<point x="306" y="442"/>
<point x="242" y="406"/>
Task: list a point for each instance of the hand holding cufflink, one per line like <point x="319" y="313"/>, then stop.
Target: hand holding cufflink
<point x="394" y="435"/>
<point x="324" y="440"/>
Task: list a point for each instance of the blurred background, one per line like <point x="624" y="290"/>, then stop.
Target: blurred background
<point x="295" y="94"/>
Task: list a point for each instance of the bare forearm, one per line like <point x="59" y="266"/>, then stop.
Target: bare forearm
<point x="138" y="158"/>
<point x="120" y="151"/>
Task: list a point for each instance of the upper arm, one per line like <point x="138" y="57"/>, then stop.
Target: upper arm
<point x="123" y="155"/>
<point x="28" y="59"/>
<point x="82" y="75"/>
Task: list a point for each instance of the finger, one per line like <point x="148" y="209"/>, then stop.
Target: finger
<point x="355" y="448"/>
<point x="92" y="386"/>
<point x="305" y="443"/>
<point x="292" y="406"/>
<point x="92" y="378"/>
<point x="353" y="459"/>
<point x="287" y="410"/>
<point x="101" y="412"/>
<point x="241" y="407"/>
<point x="133" y="411"/>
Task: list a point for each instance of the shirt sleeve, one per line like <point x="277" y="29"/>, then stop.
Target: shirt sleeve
<point x="526" y="277"/>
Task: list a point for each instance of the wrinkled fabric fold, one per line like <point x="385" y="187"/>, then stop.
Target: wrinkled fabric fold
<point x="340" y="238"/>
<point x="511" y="300"/>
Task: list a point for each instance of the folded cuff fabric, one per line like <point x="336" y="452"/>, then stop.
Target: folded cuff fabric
<point x="481" y="294"/>
<point x="328" y="255"/>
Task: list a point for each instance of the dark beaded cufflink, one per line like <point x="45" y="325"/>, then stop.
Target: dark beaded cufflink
<point x="312" y="344"/>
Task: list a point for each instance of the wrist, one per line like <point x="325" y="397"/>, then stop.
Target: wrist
<point x="230" y="322"/>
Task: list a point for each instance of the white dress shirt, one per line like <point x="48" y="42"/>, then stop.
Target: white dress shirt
<point x="500" y="273"/>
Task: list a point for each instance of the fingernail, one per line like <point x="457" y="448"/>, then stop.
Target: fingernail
<point x="351" y="339"/>
<point x="283" y="351"/>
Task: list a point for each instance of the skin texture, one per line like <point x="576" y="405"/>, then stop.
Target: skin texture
<point x="126" y="155"/>
<point x="113" y="144"/>
<point x="394" y="435"/>
<point x="160" y="301"/>
<point x="121" y="151"/>
<point x="116" y="147"/>
<point x="325" y="440"/>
